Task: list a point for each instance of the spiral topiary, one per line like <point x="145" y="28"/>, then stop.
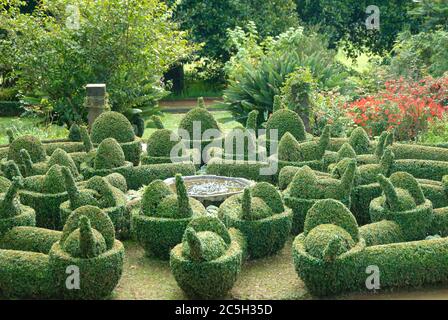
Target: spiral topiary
<point x="207" y="262"/>
<point x="259" y="218"/>
<point x="163" y="217"/>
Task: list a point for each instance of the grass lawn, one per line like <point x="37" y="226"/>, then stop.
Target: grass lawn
<point x="270" y="278"/>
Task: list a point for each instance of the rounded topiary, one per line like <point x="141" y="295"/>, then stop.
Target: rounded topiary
<point x="206" y="264"/>
<point x="109" y="155"/>
<point x="303" y="185"/>
<point x="118" y="181"/>
<point x="99" y="220"/>
<point x="85" y="242"/>
<point x="198" y="115"/>
<point x="161" y="142"/>
<point x="286" y="121"/>
<point x="62" y="158"/>
<point x="53" y="181"/>
<point x="327" y="241"/>
<point x="270" y="195"/>
<point x="112" y="125"/>
<point x="153" y="195"/>
<point x="359" y="140"/>
<point x="346" y="151"/>
<point x="5" y="183"/>
<point x="265" y="230"/>
<point x="404" y="180"/>
<point x="330" y="211"/>
<point x="31" y="144"/>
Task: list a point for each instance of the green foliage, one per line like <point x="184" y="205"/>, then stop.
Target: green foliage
<point x="74" y="133"/>
<point x="286" y="121"/>
<point x="359" y="140"/>
<point x="118" y="181"/>
<point x="329" y="211"/>
<point x="265" y="231"/>
<point x="416" y="56"/>
<point x="289" y="149"/>
<point x="243" y="169"/>
<point x="202" y="246"/>
<point x="109" y="155"/>
<point x="30" y="239"/>
<point x="346" y="151"/>
<point x="62" y="158"/>
<point x="260" y="79"/>
<point x="87" y="142"/>
<point x="382" y="232"/>
<point x="269" y="194"/>
<point x="112" y="125"/>
<point x="127" y="45"/>
<point x="278" y="104"/>
<point x="318" y="240"/>
<point x="200" y="115"/>
<point x="251" y="122"/>
<point x="346" y="25"/>
<point x="160" y="144"/>
<point x="29" y="143"/>
<point x="157" y="122"/>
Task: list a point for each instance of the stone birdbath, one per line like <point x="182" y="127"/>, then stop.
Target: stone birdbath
<point x="210" y="189"/>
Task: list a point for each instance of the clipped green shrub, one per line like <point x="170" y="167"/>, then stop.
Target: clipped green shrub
<point x="207" y="262"/>
<point x="112" y="124"/>
<point x="201" y="115"/>
<point x="159" y="146"/>
<point x="252" y="120"/>
<point x="382" y="232"/>
<point x="12" y="212"/>
<point x="31" y="144"/>
<point x="284" y="121"/>
<point x="30" y="239"/>
<point x="404" y="204"/>
<point x="359" y="140"/>
<point x="62" y="158"/>
<point x="265" y="229"/>
<point x="4" y="184"/>
<point x="109" y="155"/>
<point x="87" y="242"/>
<point x="160" y="226"/>
<point x="74" y="133"/>
<point x="306" y="188"/>
<point x="118" y="181"/>
<point x="44" y="194"/>
<point x="243" y="169"/>
<point x="158" y="124"/>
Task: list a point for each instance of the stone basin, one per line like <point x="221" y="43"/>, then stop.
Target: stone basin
<point x="210" y="189"/>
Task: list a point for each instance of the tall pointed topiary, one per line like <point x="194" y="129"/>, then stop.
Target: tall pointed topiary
<point x="85" y="137"/>
<point x="201" y="103"/>
<point x="359" y="140"/>
<point x="183" y="202"/>
<point x="278" y="104"/>
<point x="252" y="120"/>
<point x="7" y="206"/>
<point x="76" y="197"/>
<point x="396" y="200"/>
<point x="74" y="134"/>
<point x="246" y="205"/>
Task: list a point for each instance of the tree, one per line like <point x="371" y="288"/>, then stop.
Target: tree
<point x="344" y="21"/>
<point x="127" y="44"/>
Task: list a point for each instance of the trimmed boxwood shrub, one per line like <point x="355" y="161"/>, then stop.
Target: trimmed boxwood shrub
<point x="30" y="239"/>
<point x="404" y="203"/>
<point x="243" y="169"/>
<point x="382" y="232"/>
<point x="62" y="158"/>
<point x="112" y="124"/>
<point x="422" y="169"/>
<point x="306" y="188"/>
<point x="74" y="133"/>
<point x="207" y="262"/>
<point x="67" y="146"/>
<point x="12" y="212"/>
<point x="284" y="121"/>
<point x="259" y="220"/>
<point x="4" y="184"/>
<point x="359" y="140"/>
<point x="88" y="242"/>
<point x="31" y="144"/>
<point x="159" y="146"/>
<point x="163" y="217"/>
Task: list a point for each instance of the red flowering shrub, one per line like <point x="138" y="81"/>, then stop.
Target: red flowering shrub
<point x="403" y="106"/>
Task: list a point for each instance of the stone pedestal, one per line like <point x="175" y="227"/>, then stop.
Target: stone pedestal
<point x="95" y="101"/>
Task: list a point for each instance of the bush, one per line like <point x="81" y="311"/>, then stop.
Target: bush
<point x="109" y="155"/>
<point x="243" y="169"/>
<point x="265" y="231"/>
<point x="112" y="125"/>
<point x="382" y="232"/>
<point x="286" y="121"/>
<point x="200" y="115"/>
<point x="160" y="230"/>
<point x="30" y="239"/>
<point x="359" y="140"/>
<point x="212" y="277"/>
<point x="60" y="157"/>
<point x="74" y="133"/>
<point x="29" y="143"/>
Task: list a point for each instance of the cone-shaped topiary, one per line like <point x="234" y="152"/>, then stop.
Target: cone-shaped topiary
<point x="306" y="188"/>
<point x="118" y="181"/>
<point x="346" y="151"/>
<point x="31" y="144"/>
<point x="403" y="204"/>
<point x="109" y="155"/>
<point x="201" y="102"/>
<point x="12" y="212"/>
<point x="158" y="124"/>
<point x="278" y="104"/>
<point x="53" y="181"/>
<point x="85" y="242"/>
<point x="270" y="195"/>
<point x="62" y="158"/>
<point x="112" y="125"/>
<point x="77" y="198"/>
<point x="285" y="121"/>
<point x="289" y="148"/>
<point x="85" y="138"/>
<point x="359" y="140"/>
<point x="159" y="147"/>
<point x="265" y="228"/>
<point x="164" y="216"/>
<point x="252" y="120"/>
<point x="74" y="133"/>
<point x="207" y="262"/>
